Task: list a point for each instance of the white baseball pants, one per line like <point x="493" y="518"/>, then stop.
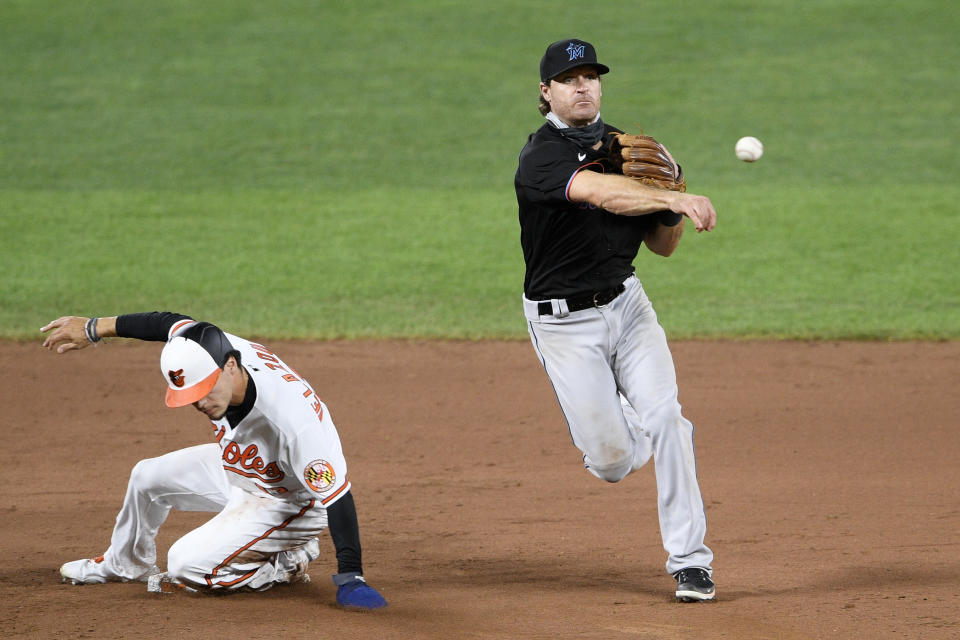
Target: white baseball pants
<point x="614" y="378"/>
<point x="252" y="543"/>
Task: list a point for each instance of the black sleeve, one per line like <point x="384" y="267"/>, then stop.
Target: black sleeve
<point x="153" y="325"/>
<point x="669" y="218"/>
<point x="345" y="532"/>
<point x="546" y="168"/>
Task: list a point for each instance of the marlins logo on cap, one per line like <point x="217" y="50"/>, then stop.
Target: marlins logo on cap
<point x="189" y="370"/>
<point x="575" y="50"/>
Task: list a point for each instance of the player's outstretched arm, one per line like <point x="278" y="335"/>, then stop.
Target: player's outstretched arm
<point x="627" y="197"/>
<point x="69" y="333"/>
<point x="75" y="332"/>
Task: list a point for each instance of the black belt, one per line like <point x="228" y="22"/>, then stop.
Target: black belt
<point x="587" y="300"/>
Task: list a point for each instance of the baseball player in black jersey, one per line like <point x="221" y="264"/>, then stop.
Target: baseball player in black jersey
<point x="591" y="324"/>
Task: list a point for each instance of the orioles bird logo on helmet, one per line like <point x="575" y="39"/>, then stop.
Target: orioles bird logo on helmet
<point x="176" y="377"/>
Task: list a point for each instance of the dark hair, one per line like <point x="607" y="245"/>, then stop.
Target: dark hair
<point x="544" y="106"/>
<point x="236" y="356"/>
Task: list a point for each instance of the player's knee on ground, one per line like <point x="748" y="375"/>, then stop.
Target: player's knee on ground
<point x="188" y="565"/>
<point x="194" y="566"/>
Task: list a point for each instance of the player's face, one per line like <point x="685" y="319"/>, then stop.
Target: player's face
<point x="216" y="403"/>
<point x="574" y="95"/>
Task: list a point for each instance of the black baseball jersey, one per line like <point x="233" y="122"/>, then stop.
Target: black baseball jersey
<point x="570" y="248"/>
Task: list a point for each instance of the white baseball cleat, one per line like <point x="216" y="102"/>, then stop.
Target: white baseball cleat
<point x="94" y="571"/>
<point x="86" y="571"/>
<point x="307" y="554"/>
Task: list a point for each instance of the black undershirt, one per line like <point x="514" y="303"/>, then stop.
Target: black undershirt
<point x="345" y="533"/>
<point x="236" y="413"/>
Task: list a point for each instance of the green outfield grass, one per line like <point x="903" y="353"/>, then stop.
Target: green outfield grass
<point x="344" y="169"/>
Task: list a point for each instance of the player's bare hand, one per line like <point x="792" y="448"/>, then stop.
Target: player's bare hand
<point x="698" y="208"/>
<point x="67" y="334"/>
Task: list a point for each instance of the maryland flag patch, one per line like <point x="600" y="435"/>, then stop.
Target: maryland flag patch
<point x="320" y="476"/>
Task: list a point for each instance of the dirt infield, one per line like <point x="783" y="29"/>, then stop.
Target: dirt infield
<point x="829" y="471"/>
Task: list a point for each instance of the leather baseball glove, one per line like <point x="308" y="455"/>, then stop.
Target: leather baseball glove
<point x="643" y="158"/>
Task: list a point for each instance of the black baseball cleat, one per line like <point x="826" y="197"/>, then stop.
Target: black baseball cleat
<point x="694" y="585"/>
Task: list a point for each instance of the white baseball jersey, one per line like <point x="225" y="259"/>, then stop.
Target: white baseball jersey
<point x="269" y="479"/>
<point x="287" y="445"/>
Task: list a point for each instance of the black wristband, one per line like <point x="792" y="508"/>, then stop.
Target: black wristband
<point x="669" y="218"/>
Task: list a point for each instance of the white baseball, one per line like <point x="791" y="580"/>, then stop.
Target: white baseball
<point x="748" y="149"/>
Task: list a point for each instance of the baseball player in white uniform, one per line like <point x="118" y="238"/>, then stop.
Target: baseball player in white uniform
<point x="275" y="474"/>
<point x="591" y="324"/>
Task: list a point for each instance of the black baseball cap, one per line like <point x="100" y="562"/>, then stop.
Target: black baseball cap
<point x="213" y="340"/>
<point x="564" y="55"/>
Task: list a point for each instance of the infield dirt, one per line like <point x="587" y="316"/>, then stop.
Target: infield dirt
<point x="828" y="470"/>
